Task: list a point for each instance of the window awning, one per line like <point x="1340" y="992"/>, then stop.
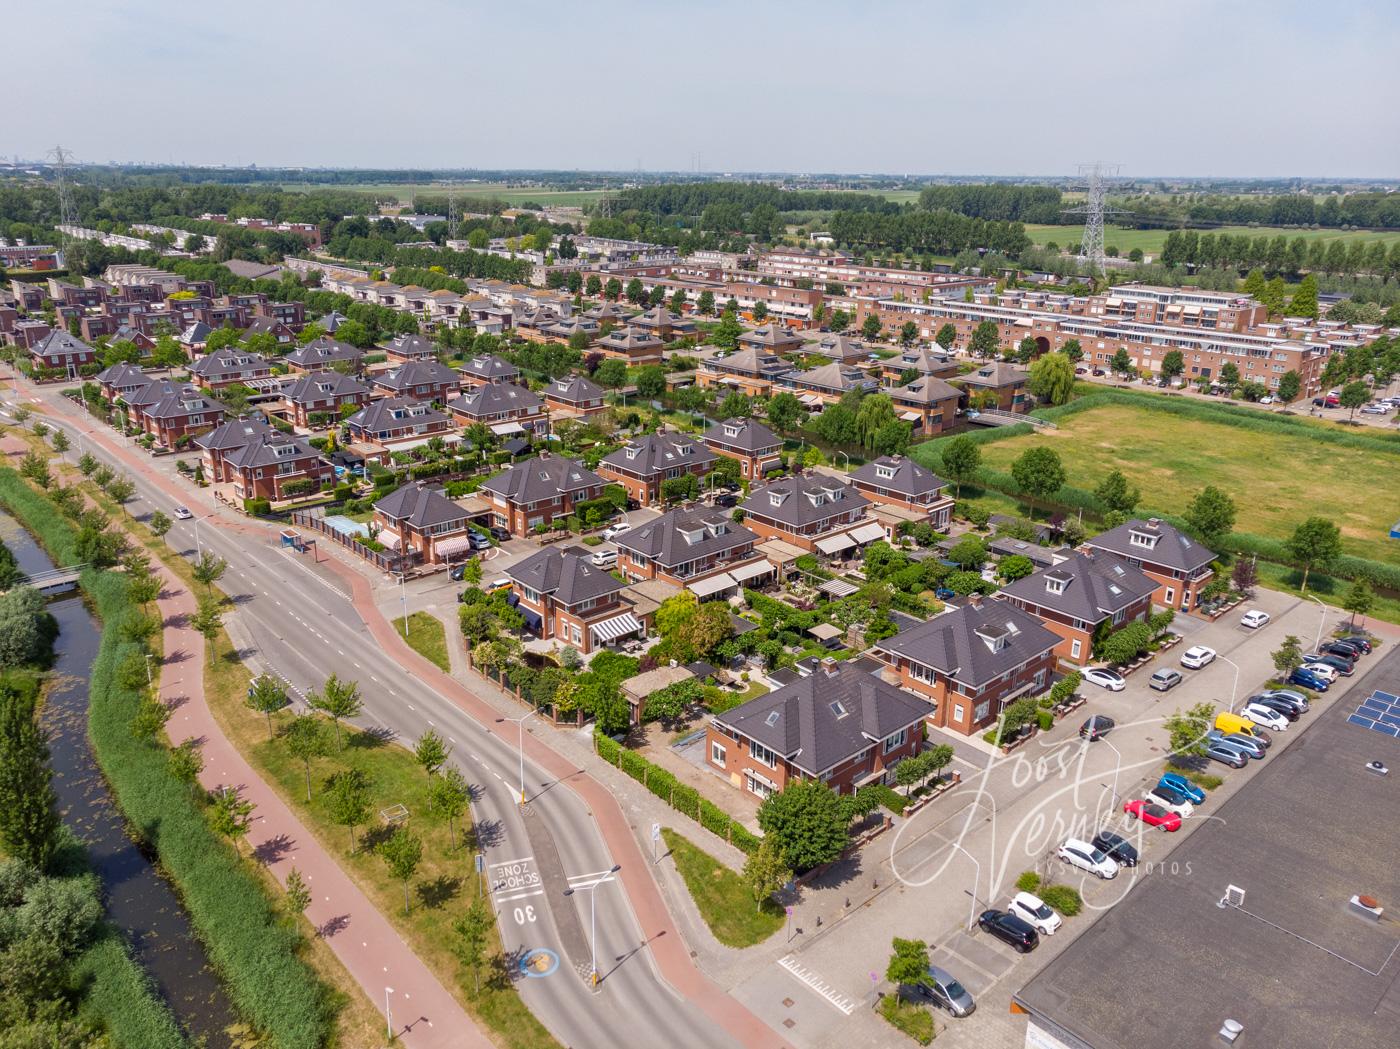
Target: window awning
<point x="616" y="627"/>
<point x="504" y="428"/>
<point x="458" y="544"/>
<point x="834" y="544"/>
<point x="1023" y="322"/>
<point x="838" y="588"/>
<point x="711" y="584"/>
<point x="533" y="620"/>
<point x="744" y="573"/>
<point x="448" y="439"/>
<point x="867" y="533"/>
<point x="389" y="540"/>
<point x="761" y="778"/>
<point x="910" y="417"/>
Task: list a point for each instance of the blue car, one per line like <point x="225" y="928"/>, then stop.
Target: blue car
<point x="1182" y="785"/>
<point x="1307" y="679"/>
<point x="944" y="594"/>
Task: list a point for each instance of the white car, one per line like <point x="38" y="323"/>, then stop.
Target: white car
<point x="1105" y="678"/>
<point x="181" y="513"/>
<point x="1197" y="656"/>
<point x="1375" y="409"/>
<point x="1266" y="717"/>
<point x="1182" y="808"/>
<point x="613" y="531"/>
<point x="1087" y="858"/>
<point x="1322" y="670"/>
<point x="1035" y="912"/>
<point x="1254" y="619"/>
<point x="604" y="558"/>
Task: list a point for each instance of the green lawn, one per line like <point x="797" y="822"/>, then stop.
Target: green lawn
<point x="1276" y="480"/>
<point x="725" y="903"/>
<point x="1151" y="240"/>
<point x="427" y="637"/>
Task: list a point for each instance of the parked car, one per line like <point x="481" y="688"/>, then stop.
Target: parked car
<point x="1308" y="680"/>
<point x="1254" y="619"/>
<point x="457" y="572"/>
<point x="1105" y="678"/>
<point x="499" y="534"/>
<point x="1165" y="679"/>
<point x="1095" y="727"/>
<point x="479" y="540"/>
<point x="1345" y="667"/>
<point x="1226" y="755"/>
<point x="1100" y="372"/>
<point x="1116" y="847"/>
<point x="940" y="988"/>
<point x="615" y="530"/>
<point x="1330" y="400"/>
<point x="1170" y="800"/>
<point x="1282" y="706"/>
<point x="1266" y="716"/>
<point x="726" y="499"/>
<point x="1087" y="858"/>
<point x="1009" y="929"/>
<point x="501" y="583"/>
<point x="1197" y="656"/>
<point x="1375" y="409"/>
<point x="1347" y="646"/>
<point x="1360" y="641"/>
<point x="181" y="513"/>
<point x="604" y="558"/>
<point x="1237" y="744"/>
<point x="1325" y="671"/>
<point x="1035" y="912"/>
<point x="1182" y="785"/>
<point x="1291" y="695"/>
<point x="1152" y="815"/>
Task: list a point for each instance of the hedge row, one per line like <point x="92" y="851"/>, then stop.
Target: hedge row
<point x="679" y="796"/>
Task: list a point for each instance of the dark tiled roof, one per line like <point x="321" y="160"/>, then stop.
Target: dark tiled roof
<point x="995" y="375"/>
<point x="749" y="436"/>
<point x="922" y="360"/>
<point x="574" y="389"/>
<point x="124" y="376"/>
<point x="495" y="398"/>
<point x="803" y="500"/>
<point x="836" y="377"/>
<point x="229" y="361"/>
<point x="380" y="415"/>
<point x="411" y="345"/>
<point x="842" y="347"/>
<point x="270" y="448"/>
<point x="233" y="434"/>
<point x="1086" y="586"/>
<point x="928" y="390"/>
<point x="899" y="474"/>
<point x="567" y="576"/>
<point x="773" y="337"/>
<point x="820" y="721"/>
<point x="1169" y="545"/>
<point x="974" y="645"/>
<point x="491" y="368"/>
<point x="657" y="452"/>
<point x="185" y="400"/>
<point x="418" y="373"/>
<point x="630" y="338"/>
<point x="323" y="351"/>
<point x="420" y="506"/>
<point x="686" y="535"/>
<point x="318" y="385"/>
<point x="62" y="344"/>
<point x="544" y="478"/>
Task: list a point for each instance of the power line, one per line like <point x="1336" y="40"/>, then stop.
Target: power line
<point x="59" y="157"/>
<point x="1094" y="209"/>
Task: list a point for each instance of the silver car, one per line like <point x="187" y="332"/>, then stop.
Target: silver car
<point x="943" y="990"/>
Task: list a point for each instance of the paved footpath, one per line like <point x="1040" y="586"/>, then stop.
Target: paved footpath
<point x="669" y="950"/>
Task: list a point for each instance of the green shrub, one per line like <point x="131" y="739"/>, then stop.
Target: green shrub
<point x="661" y="783"/>
<point x="121" y="996"/>
<point x="1045" y="719"/>
<point x="891" y="798"/>
<point x="686" y="799"/>
<point x="1204" y="780"/>
<point x="634" y="765"/>
<point x="1064" y="898"/>
<point x="607" y="747"/>
<point x="1029" y="881"/>
<point x="713" y="818"/>
<point x="913" y="1020"/>
<point x="742" y="840"/>
<point x="257" y="507"/>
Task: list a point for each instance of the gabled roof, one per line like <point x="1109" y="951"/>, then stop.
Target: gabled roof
<point x="489" y="367"/>
<point x="1155" y="542"/>
<point x="1084" y="585"/>
<point x="685" y="535"/>
<point x="233" y="434"/>
<point x="261" y="325"/>
<point x="774" y="337"/>
<point x="921" y="359"/>
<point x="899" y="474"/>
<point x="630" y="338"/>
<point x="494" y="398"/>
<point x="124" y="376"/>
<point x="746" y="435"/>
<point x="574" y="389"/>
<point x="417" y="373"/>
<point x="567" y="576"/>
<point x="542" y="478"/>
<point x="391" y="412"/>
<point x="974" y="645"/>
<point x="184" y="400"/>
<point x="323" y="351"/>
<point x="412" y="345"/>
<point x="198" y="332"/>
<point x="804" y="499"/>
<point x="229" y="361"/>
<point x="995" y="374"/>
<point x="270" y="448"/>
<point x="927" y="390"/>
<point x="657" y="452"/>
<point x="420" y="506"/>
<point x="318" y="385"/>
<point x="818" y="722"/>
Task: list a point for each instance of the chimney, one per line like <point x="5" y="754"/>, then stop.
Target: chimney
<point x="829" y="667"/>
<point x="975" y="600"/>
<point x="1154" y="522"/>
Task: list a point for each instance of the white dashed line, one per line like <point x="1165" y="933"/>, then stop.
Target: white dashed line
<point x="816" y="983"/>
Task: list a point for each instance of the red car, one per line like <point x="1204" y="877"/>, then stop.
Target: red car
<point x="1153" y="815"/>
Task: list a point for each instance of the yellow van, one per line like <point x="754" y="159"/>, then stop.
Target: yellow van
<point x="1229" y="723"/>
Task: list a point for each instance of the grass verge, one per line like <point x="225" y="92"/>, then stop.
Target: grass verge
<point x="721" y="896"/>
<point x="427" y="637"/>
<point x="913" y="1020"/>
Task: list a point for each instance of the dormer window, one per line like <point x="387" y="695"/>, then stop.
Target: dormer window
<point x="692" y="535"/>
<point x="776" y="498"/>
<point x="1143" y="539"/>
<point x="731" y="431"/>
<point x="1054" y="585"/>
<point x="633" y="451"/>
<point x="884" y="471"/>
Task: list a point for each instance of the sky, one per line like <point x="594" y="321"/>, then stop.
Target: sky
<point x="1187" y="87"/>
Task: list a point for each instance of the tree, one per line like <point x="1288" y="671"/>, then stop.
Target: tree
<point x="159" y="524"/>
<point x="946" y="336"/>
<point x="1124" y="644"/>
<point x="612" y="290"/>
<point x="298" y="896"/>
<point x="1052" y="378"/>
<point x="870" y="327"/>
<point x="969" y="552"/>
<point x="1304" y="301"/>
<point x="402" y="852"/>
<point x="87" y="464"/>
<point x="306" y="739"/>
<point x="348" y="801"/>
<point x="209" y="569"/>
<point x="1289" y="386"/>
<point x="651" y="380"/>
<point x="961" y="460"/>
<point x="984" y="340"/>
<point x="612" y="373"/>
<point x="1315" y="543"/>
<point x="1229" y="375"/>
<point x="705" y="304"/>
<point x="61" y="443"/>
<point x="908" y="964"/>
<point x="431" y="751"/>
<point x="1017" y="566"/>
<point x="1288" y="657"/>
<point x="908" y="333"/>
<point x="231" y="816"/>
<point x="29" y="820"/>
<point x="1039" y="472"/>
<point x="1073" y="350"/>
<point x="448" y="795"/>
<point x="338" y="700"/>
<point x="1187" y="730"/>
<point x="1353" y="396"/>
<point x="1244" y="576"/>
<point x="1116" y="494"/>
<point x="473" y="930"/>
<point x="266" y="697"/>
<point x="1173" y="364"/>
<point x="760" y="311"/>
<point x="1211" y="514"/>
<point x="807" y="822"/>
<point x="1359" y="600"/>
<point x="207" y="620"/>
<point x="765" y="872"/>
<point x="1121" y="362"/>
<point x="786" y="412"/>
<point x="186" y="762"/>
<point x="121" y="489"/>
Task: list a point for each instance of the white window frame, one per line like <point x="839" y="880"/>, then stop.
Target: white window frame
<point x="1076" y="646"/>
<point x="958" y="712"/>
<point x="718" y="753"/>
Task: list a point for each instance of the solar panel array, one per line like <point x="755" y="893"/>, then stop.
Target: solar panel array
<point x="1380" y="712"/>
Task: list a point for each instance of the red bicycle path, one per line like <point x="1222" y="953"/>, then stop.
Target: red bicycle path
<point x="669" y="951"/>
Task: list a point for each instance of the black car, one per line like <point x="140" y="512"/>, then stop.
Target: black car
<point x="499" y="534"/>
<point x="1096" y="727"/>
<point x="1009" y="929"/>
<point x="726" y="499"/>
<point x="1115" y="847"/>
<point x="1288" y="710"/>
<point x="1345" y="648"/>
<point x="1360" y="641"/>
<point x="1345" y="667"/>
<point x="456" y="572"/>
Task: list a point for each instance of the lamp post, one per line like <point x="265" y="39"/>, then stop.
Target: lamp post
<point x="403" y="601"/>
<point x="520" y="721"/>
<point x="976" y="880"/>
<point x="1235" y="687"/>
<point x="388" y="1016"/>
<point x="593" y="917"/>
<point x="1118" y="766"/>
<point x="848" y="459"/>
<point x="1321" y="621"/>
<point x="150" y="682"/>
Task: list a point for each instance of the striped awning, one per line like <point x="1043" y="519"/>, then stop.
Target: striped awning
<point x="616" y="627"/>
<point x="390" y="540"/>
<point x="910" y="417"/>
<point x="458" y="544"/>
<point x="834" y="544"/>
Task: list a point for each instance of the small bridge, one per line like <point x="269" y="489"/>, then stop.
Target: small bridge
<point x="997" y="417"/>
<point x="56" y="579"/>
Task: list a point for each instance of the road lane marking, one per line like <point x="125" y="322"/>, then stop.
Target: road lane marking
<point x="520" y="896"/>
<point x="816" y="983"/>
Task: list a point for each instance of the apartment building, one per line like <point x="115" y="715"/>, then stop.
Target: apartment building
<point x="757" y="448"/>
<point x="565" y="598"/>
<point x="533" y="493"/>
<point x="645" y="462"/>
<point x="1178" y="564"/>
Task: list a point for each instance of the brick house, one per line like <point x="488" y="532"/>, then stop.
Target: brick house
<point x="323" y="354"/>
<point x="60" y="351"/>
<point x="893" y="480"/>
<point x="929" y="405"/>
<point x="750" y="370"/>
<point x="698" y="547"/>
<point x="926" y="362"/>
<point x="1006" y="381"/>
<point x="574" y="395"/>
<point x="282" y="333"/>
<point x="757" y="448"/>
<point x="538" y="490"/>
<point x="487" y="369"/>
<point x="266" y="464"/>
<point x="421" y="523"/>
<point x="421" y="380"/>
<point x="969" y="663"/>
<point x="812" y="511"/>
<point x="228" y="367"/>
<point x="632" y="345"/>
<point x="121" y="380"/>
<point x="664" y="324"/>
<point x="1081" y="593"/>
<point x="224" y="440"/>
<point x="641" y="465"/>
<point x="841" y="725"/>
<point x="403" y="348"/>
<point x="318" y="393"/>
<point x="503" y="406"/>
<point x="827" y="384"/>
<point x="397" y="424"/>
<point x="566" y="598"/>
<point x="1178" y="564"/>
<point x="184" y="411"/>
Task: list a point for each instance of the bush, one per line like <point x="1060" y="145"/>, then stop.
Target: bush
<point x="1045" y="719"/>
<point x="257" y="507"/>
<point x="713" y="818"/>
<point x="1029" y="881"/>
<point x="1064" y="898"/>
<point x="686" y="799"/>
<point x="742" y="840"/>
<point x="913" y="1020"/>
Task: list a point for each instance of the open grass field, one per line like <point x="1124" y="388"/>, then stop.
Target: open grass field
<point x="427" y="637"/>
<point x="1276" y="480"/>
<point x="1151" y="240"/>
<point x="404" y="192"/>
<point x="724" y="901"/>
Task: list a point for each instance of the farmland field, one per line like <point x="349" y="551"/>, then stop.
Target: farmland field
<point x="404" y="192"/>
<point x="1276" y="480"/>
<point x="1151" y="240"/>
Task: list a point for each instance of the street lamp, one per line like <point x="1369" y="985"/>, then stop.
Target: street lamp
<point x="1119" y="762"/>
<point x="593" y="917"/>
<point x="848" y="458"/>
<point x="976" y="880"/>
<point x="520" y="721"/>
<point x="403" y="600"/>
<point x="150" y="683"/>
<point x="388" y="1016"/>
<point x="1234" y="688"/>
<point x="1321" y="622"/>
